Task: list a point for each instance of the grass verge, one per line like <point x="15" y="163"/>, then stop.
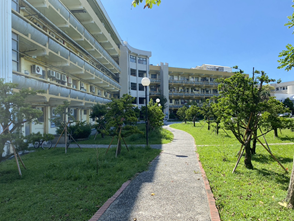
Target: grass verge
<point x="246" y="194"/>
<point x="158" y="136"/>
<point x="73" y="186"/>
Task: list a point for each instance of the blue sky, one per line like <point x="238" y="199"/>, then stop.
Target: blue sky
<point x="190" y="33"/>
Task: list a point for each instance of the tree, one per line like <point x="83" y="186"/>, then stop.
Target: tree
<point x="192" y="113"/>
<point x="288" y="103"/>
<point x="148" y="3"/>
<point x="155" y="115"/>
<point x="163" y="102"/>
<point x="120" y="119"/>
<point x="182" y="113"/>
<point x="207" y="112"/>
<point x="98" y="113"/>
<point x="243" y="107"/>
<point x="15" y="111"/>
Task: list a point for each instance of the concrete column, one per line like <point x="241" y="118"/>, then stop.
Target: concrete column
<point x="164" y="85"/>
<point x="5" y="41"/>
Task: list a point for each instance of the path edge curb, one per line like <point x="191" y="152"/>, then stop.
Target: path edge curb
<point x="107" y="204"/>
<point x="211" y="201"/>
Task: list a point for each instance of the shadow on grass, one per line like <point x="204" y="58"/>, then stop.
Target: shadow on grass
<point x="266" y="158"/>
<point x="286" y="138"/>
<point x="279" y="178"/>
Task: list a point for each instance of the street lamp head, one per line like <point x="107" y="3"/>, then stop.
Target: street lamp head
<point x="157" y="100"/>
<point x="159" y="105"/>
<point x="145" y="82"/>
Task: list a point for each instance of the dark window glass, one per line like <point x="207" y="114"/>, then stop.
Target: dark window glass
<point x="132" y="58"/>
<point x="133" y="86"/>
<point x="141" y="87"/>
<point x="171" y="101"/>
<point x="154" y="76"/>
<point x="133" y="72"/>
<point x="141" y="100"/>
<point x="142" y="74"/>
<point x="142" y="60"/>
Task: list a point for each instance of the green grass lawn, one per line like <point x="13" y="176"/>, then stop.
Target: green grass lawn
<point x="246" y="194"/>
<point x="58" y="186"/>
<point x="158" y="136"/>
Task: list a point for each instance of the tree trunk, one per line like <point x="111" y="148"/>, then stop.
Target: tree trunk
<point x="208" y="125"/>
<point x="185" y="121"/>
<point x="247" y="161"/>
<point x="118" y="149"/>
<point x="253" y="149"/>
<point x="276" y="132"/>
<point x="290" y="195"/>
<point x="217" y="128"/>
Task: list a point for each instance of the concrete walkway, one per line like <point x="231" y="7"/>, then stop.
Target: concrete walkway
<point x="172" y="189"/>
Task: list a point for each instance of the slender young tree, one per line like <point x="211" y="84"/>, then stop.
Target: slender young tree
<point x="193" y="112"/>
<point x="15" y="111"/>
<point x="121" y="119"/>
<point x="98" y="113"/>
<point x="243" y="107"/>
<point x="182" y="113"/>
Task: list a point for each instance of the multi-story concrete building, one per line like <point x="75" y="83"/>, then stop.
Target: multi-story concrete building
<point x="72" y="51"/>
<point x="182" y="85"/>
<point x="68" y="48"/>
<point x="134" y="65"/>
<point x="283" y="90"/>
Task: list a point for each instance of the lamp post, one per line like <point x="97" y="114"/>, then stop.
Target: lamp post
<point x="145" y="82"/>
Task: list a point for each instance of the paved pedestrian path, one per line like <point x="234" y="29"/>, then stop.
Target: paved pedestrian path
<point x="172" y="188"/>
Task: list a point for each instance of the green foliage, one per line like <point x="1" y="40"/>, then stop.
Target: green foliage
<point x="245" y="195"/>
<point x="242" y="105"/>
<point x="155" y="115"/>
<point x="98" y="113"/>
<point x="66" y="187"/>
<point x="80" y="130"/>
<point x="15" y="111"/>
<point x="182" y="113"/>
<point x="192" y="113"/>
<point x="288" y="103"/>
<point x="148" y="3"/>
<point x="61" y="112"/>
<point x="36" y="137"/>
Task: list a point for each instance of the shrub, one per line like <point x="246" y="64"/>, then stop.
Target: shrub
<point x="80" y="130"/>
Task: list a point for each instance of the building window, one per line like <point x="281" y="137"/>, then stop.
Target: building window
<point x="142" y="60"/>
<point x="170" y="101"/>
<point x="15" y="53"/>
<point x="133" y="86"/>
<point x="154" y="76"/>
<point x="142" y="74"/>
<point x="141" y="87"/>
<point x="133" y="58"/>
<point x="15" y="5"/>
<point x="141" y="100"/>
<point x="133" y="72"/>
<point x="277" y="89"/>
<point x="153" y="88"/>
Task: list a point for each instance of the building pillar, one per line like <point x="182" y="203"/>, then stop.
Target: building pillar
<point x="5" y="41"/>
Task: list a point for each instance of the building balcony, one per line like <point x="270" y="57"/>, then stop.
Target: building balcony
<point x="187" y="94"/>
<point x="193" y="82"/>
<point x="154" y="93"/>
<point x="55" y="90"/>
<point x="35" y="43"/>
<point x="59" y="15"/>
<point x="154" y="80"/>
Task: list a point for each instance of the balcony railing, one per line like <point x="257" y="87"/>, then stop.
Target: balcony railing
<point x="193" y="82"/>
<point x="154" y="80"/>
<point x="192" y="94"/>
<point x="154" y="93"/>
